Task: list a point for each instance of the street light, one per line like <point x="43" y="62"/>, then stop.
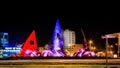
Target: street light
<point x="106" y="37"/>
<point x="90" y="42"/>
<point x="94" y="48"/>
<point x="106" y="50"/>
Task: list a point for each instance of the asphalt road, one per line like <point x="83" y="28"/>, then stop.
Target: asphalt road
<point x="59" y="66"/>
<point x="60" y="61"/>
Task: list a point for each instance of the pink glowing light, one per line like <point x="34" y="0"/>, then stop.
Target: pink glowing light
<point x="108" y="36"/>
<point x="83" y="53"/>
<point x="47" y="53"/>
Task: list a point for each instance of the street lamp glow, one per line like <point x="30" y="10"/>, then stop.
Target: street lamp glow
<point x="90" y="41"/>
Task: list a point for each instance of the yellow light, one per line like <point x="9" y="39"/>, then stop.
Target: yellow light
<point x="90" y="41"/>
<point x="115" y="56"/>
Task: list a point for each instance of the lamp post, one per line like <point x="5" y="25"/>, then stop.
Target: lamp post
<point x="106" y="51"/>
<point x="118" y="45"/>
<point x="106" y="45"/>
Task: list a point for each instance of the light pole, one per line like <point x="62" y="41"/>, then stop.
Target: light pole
<point x="106" y="51"/>
<point x="118" y="45"/>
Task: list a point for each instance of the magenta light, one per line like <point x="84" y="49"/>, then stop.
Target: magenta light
<point x="29" y="53"/>
<point x="83" y="53"/>
<point x="47" y="53"/>
<point x="108" y="36"/>
<point x="59" y="53"/>
<point x="89" y="54"/>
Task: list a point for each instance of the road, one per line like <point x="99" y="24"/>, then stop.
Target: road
<point x="59" y="66"/>
<point x="60" y="61"/>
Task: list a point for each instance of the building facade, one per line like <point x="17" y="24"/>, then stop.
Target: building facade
<point x="69" y="38"/>
<point x="74" y="48"/>
<point x="4" y="39"/>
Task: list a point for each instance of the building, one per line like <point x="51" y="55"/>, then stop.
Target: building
<point x="74" y="48"/>
<point x="3" y="39"/>
<point x="5" y="49"/>
<point x="69" y="38"/>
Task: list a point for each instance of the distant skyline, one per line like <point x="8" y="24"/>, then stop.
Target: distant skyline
<point x="20" y="27"/>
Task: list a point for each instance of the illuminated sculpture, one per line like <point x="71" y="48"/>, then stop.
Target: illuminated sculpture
<point x="85" y="51"/>
<point x="57" y="41"/>
<point x="29" y="48"/>
<point x="47" y="53"/>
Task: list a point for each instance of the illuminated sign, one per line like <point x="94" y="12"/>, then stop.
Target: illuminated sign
<point x="12" y="48"/>
<point x="108" y="36"/>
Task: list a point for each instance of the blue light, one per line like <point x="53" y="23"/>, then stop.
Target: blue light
<point x="57" y="40"/>
<point x="4" y="39"/>
<point x="9" y="51"/>
<point x="12" y="48"/>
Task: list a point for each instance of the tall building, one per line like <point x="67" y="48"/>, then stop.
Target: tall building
<point x="69" y="38"/>
<point x="3" y="39"/>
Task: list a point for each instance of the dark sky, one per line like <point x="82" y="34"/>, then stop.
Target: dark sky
<point x="19" y="27"/>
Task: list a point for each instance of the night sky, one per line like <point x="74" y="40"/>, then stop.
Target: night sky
<point x="20" y="27"/>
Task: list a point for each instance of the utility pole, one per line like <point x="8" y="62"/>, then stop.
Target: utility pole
<point x="118" y="44"/>
<point x="106" y="51"/>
